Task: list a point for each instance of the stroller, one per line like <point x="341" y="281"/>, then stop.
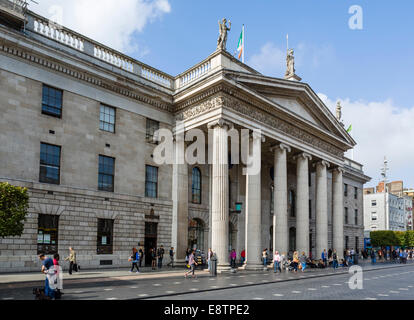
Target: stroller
<point x="287" y="265"/>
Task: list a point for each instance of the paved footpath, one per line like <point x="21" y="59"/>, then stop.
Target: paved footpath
<point x="168" y="283"/>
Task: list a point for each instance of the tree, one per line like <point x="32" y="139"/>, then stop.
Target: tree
<point x="400" y="238"/>
<point x="14" y="202"/>
<point x="384" y="238"/>
<point x="409" y="238"/>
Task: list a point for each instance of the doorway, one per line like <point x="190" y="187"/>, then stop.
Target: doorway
<point x="151" y="235"/>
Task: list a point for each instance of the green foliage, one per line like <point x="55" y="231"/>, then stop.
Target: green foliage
<point x="392" y="238"/>
<point x="14" y="202"/>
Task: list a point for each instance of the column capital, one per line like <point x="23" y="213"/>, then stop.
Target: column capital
<point x="220" y="123"/>
<point x="254" y="135"/>
<point x="323" y="163"/>
<point x="337" y="169"/>
<point x="280" y="146"/>
<point x="303" y="155"/>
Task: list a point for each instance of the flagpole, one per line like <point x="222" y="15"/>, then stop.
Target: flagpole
<point x="244" y="45"/>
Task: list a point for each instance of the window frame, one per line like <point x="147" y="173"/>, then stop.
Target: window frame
<point x="50" y="113"/>
<point x="103" y="173"/>
<point x="102" y="127"/>
<point x="48" y="248"/>
<point x="346" y="215"/>
<point x="102" y="249"/>
<point x="49" y="165"/>
<point x="198" y="199"/>
<point x="149" y="130"/>
<point x="147" y="182"/>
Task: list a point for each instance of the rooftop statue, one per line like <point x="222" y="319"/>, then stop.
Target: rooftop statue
<point x="222" y="40"/>
<point x="338" y="111"/>
<point x="290" y="62"/>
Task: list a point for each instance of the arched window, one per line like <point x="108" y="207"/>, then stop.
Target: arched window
<point x="196" y="186"/>
<point x="292" y="203"/>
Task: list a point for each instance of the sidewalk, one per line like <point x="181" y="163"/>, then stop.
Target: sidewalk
<point x="118" y="274"/>
<point x="166" y="272"/>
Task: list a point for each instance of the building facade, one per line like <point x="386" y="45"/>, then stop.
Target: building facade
<point x="384" y="212"/>
<point x="77" y="128"/>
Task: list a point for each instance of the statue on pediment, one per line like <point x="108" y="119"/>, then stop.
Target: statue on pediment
<point x="290" y="63"/>
<point x="222" y="40"/>
<point x="338" y="111"/>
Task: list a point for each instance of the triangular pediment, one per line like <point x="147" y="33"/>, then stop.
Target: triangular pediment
<point x="295" y="100"/>
<point x="294" y="105"/>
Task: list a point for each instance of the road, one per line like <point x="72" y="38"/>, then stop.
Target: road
<point x="395" y="282"/>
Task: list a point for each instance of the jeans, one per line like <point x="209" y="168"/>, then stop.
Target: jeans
<point x="265" y="262"/>
<point x="160" y="263"/>
<point x="233" y="263"/>
<point x="135" y="265"/>
<point x="209" y="265"/>
<point x="373" y="260"/>
<point x="303" y="266"/>
<point x="335" y="264"/>
<point x="277" y="266"/>
<point x="48" y="291"/>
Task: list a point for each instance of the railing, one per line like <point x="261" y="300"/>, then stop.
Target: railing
<point x="155" y="76"/>
<point x="195" y="73"/>
<point x="113" y="58"/>
<point x="58" y="33"/>
<point x="70" y="38"/>
<point x="354" y="164"/>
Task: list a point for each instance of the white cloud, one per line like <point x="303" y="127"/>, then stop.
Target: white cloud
<point x="380" y="129"/>
<point x="110" y="22"/>
<point x="271" y="60"/>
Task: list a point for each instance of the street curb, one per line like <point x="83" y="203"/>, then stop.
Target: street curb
<point x="264" y="283"/>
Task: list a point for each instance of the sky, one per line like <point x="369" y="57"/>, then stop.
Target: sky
<point x="368" y="69"/>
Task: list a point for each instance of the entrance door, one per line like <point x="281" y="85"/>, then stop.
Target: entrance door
<point x="151" y="236"/>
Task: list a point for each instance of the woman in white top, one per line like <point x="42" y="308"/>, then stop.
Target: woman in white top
<point x="276" y="261"/>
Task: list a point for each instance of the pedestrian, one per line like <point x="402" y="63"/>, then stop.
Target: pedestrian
<point x="233" y="256"/>
<point x="192" y="263"/>
<point x="209" y="256"/>
<point x="277" y="259"/>
<point x="324" y="257"/>
<point x="334" y="260"/>
<point x="283" y="261"/>
<point x="302" y="260"/>
<point x="135" y="260"/>
<point x="264" y="257"/>
<point x="141" y="256"/>
<point x="47" y="265"/>
<point x="153" y="254"/>
<point x="59" y="276"/>
<point x="171" y="263"/>
<point x="295" y="261"/>
<point x="73" y="266"/>
<point x="243" y="256"/>
<point x="373" y="259"/>
<point x="329" y="254"/>
<point x="160" y="255"/>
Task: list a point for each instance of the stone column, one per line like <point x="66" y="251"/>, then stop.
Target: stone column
<point x="220" y="191"/>
<point x="180" y="202"/>
<point x="302" y="203"/>
<point x="338" y="212"/>
<point x="321" y="208"/>
<point x="253" y="209"/>
<point x="280" y="213"/>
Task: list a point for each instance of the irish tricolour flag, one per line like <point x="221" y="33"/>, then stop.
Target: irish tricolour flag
<point x="240" y="46"/>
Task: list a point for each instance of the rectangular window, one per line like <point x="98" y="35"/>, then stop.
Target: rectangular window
<point x="107" y="119"/>
<point x="356" y="193"/>
<point x="105" y="236"/>
<point x="356" y="217"/>
<point x="373" y="203"/>
<point x="106" y="173"/>
<point x="346" y="242"/>
<point x="346" y="215"/>
<point x="310" y="209"/>
<point x="357" y="244"/>
<point x="345" y="190"/>
<point x="49" y="164"/>
<point x="151" y="182"/>
<point x="152" y="127"/>
<point x="47" y="234"/>
<point x="52" y="101"/>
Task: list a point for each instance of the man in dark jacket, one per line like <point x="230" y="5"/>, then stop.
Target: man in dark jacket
<point x="160" y="255"/>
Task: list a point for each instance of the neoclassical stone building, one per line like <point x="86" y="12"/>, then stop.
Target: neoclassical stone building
<point x="77" y="125"/>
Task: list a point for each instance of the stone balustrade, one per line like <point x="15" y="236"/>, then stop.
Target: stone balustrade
<point x="195" y="73"/>
<point x="158" y="77"/>
<point x="58" y="33"/>
<point x="113" y="58"/>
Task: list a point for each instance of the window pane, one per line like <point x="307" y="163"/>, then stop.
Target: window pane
<point x="51" y="101"/>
